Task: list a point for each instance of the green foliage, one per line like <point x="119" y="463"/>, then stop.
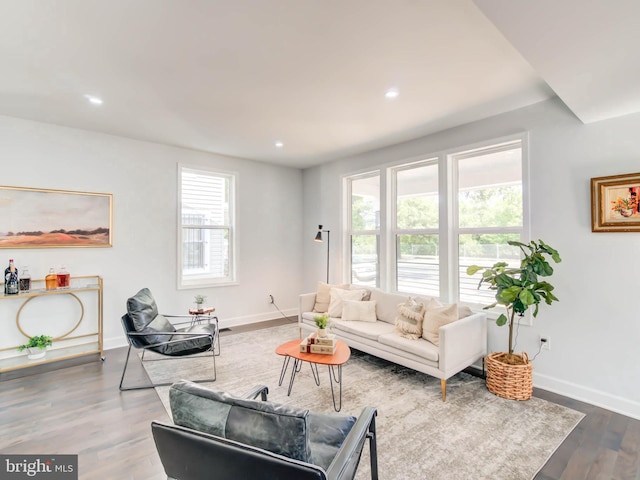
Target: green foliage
<point x="200" y="299"/>
<point x="491" y="206"/>
<point x="517" y="289"/>
<point x="39" y="341"/>
<point x="363" y="213"/>
<point x="321" y="321"/>
<point x="417" y="213"/>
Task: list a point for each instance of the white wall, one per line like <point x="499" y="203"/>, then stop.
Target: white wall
<point x="142" y="177"/>
<point x="595" y="328"/>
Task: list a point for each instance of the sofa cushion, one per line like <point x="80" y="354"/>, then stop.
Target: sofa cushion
<point x="339" y="296"/>
<point x="359" y="311"/>
<point x="327" y="432"/>
<point x="368" y="330"/>
<point x="143" y="312"/>
<point x="287" y="430"/>
<point x="387" y="305"/>
<point x="409" y="320"/>
<point x="420" y="347"/>
<point x="281" y="429"/>
<point x="323" y="296"/>
<point x="188" y="346"/>
<point x="142" y="309"/>
<point x="436" y="315"/>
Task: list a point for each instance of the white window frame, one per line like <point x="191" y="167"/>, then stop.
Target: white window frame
<point x="187" y="281"/>
<point x="455" y="230"/>
<point x="394" y="231"/>
<point x="349" y="232"/>
<point x="448" y="229"/>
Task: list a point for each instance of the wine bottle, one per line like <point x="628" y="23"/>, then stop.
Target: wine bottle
<point x="11" y="279"/>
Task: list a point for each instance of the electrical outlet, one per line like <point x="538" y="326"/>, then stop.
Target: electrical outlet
<point x="545" y="341"/>
<point x="271" y="300"/>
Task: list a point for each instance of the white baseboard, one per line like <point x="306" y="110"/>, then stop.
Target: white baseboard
<point x="117" y="342"/>
<point x="598" y="398"/>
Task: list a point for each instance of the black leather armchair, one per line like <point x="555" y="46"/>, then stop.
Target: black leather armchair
<point x="222" y="437"/>
<point x="146" y="329"/>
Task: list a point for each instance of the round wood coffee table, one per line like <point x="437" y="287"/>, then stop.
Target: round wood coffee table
<point x="334" y="362"/>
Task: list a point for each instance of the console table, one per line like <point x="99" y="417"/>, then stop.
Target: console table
<point x="60" y="313"/>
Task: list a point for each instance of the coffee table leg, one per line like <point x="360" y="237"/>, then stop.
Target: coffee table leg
<point x="338" y="380"/>
<point x="297" y="364"/>
<point x="285" y="364"/>
<point x="316" y="375"/>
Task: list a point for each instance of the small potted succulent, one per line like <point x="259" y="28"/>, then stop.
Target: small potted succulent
<point x="321" y="323"/>
<point x="37" y="346"/>
<point x="200" y="299"/>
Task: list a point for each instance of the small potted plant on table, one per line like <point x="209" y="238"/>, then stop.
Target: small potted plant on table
<point x="321" y="323"/>
<point x="37" y="346"/>
<point x="509" y="375"/>
<point x="199" y="299"/>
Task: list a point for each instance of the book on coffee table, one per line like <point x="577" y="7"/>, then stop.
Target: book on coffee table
<point x="313" y="344"/>
<point x="329" y="339"/>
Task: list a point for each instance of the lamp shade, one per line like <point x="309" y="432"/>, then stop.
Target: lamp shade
<point x="319" y="234"/>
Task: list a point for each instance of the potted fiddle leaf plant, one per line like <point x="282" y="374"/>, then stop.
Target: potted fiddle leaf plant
<point x="37" y="346"/>
<point x="509" y="375"/>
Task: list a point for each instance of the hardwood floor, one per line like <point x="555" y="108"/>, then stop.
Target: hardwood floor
<point x="79" y="410"/>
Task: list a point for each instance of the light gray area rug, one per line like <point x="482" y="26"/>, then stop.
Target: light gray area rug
<point x="473" y="435"/>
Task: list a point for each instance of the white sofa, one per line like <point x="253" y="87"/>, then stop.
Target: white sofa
<point x="461" y="343"/>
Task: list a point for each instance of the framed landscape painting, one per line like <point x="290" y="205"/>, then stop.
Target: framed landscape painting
<point x="40" y="218"/>
<point x="615" y="203"/>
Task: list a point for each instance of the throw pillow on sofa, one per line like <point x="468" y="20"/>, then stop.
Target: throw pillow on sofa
<point x="410" y="318"/>
<point x="338" y="297"/>
<point x="323" y="296"/>
<point x="360" y="311"/>
<point x="435" y="316"/>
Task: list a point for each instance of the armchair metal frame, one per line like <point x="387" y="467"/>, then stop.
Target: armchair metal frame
<point x="188" y="454"/>
<point x="131" y="336"/>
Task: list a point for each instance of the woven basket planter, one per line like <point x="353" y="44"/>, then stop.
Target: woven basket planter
<point x="514" y="382"/>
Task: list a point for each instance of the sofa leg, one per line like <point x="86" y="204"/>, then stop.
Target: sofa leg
<point x="443" y="385"/>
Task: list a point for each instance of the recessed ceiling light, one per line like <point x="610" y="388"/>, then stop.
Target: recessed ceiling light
<point x="94" y="100"/>
<point x="391" y="93"/>
<point x="279" y="144"/>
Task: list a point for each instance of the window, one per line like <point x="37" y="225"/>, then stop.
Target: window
<point x="445" y="213"/>
<point x="417" y="228"/>
<point x="364" y="228"/>
<point x="489" y="212"/>
<point x="206" y="228"/>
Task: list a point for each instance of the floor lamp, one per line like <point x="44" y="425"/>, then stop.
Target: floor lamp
<point x="319" y="239"/>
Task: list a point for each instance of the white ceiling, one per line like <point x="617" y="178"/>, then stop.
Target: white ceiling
<point x="235" y="76"/>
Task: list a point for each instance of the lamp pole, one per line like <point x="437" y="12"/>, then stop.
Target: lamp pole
<point x="319" y="239"/>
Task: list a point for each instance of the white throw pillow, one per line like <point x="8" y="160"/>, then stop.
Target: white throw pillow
<point x="410" y="318"/>
<point x="323" y="296"/>
<point x="364" y="311"/>
<point x="435" y="316"/>
<point x="338" y="296"/>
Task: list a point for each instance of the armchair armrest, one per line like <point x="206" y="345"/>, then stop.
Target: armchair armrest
<point x="346" y="461"/>
<point x="186" y="335"/>
<point x="306" y="303"/>
<point x="188" y="319"/>
<point x="462" y="342"/>
<point x="261" y="390"/>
